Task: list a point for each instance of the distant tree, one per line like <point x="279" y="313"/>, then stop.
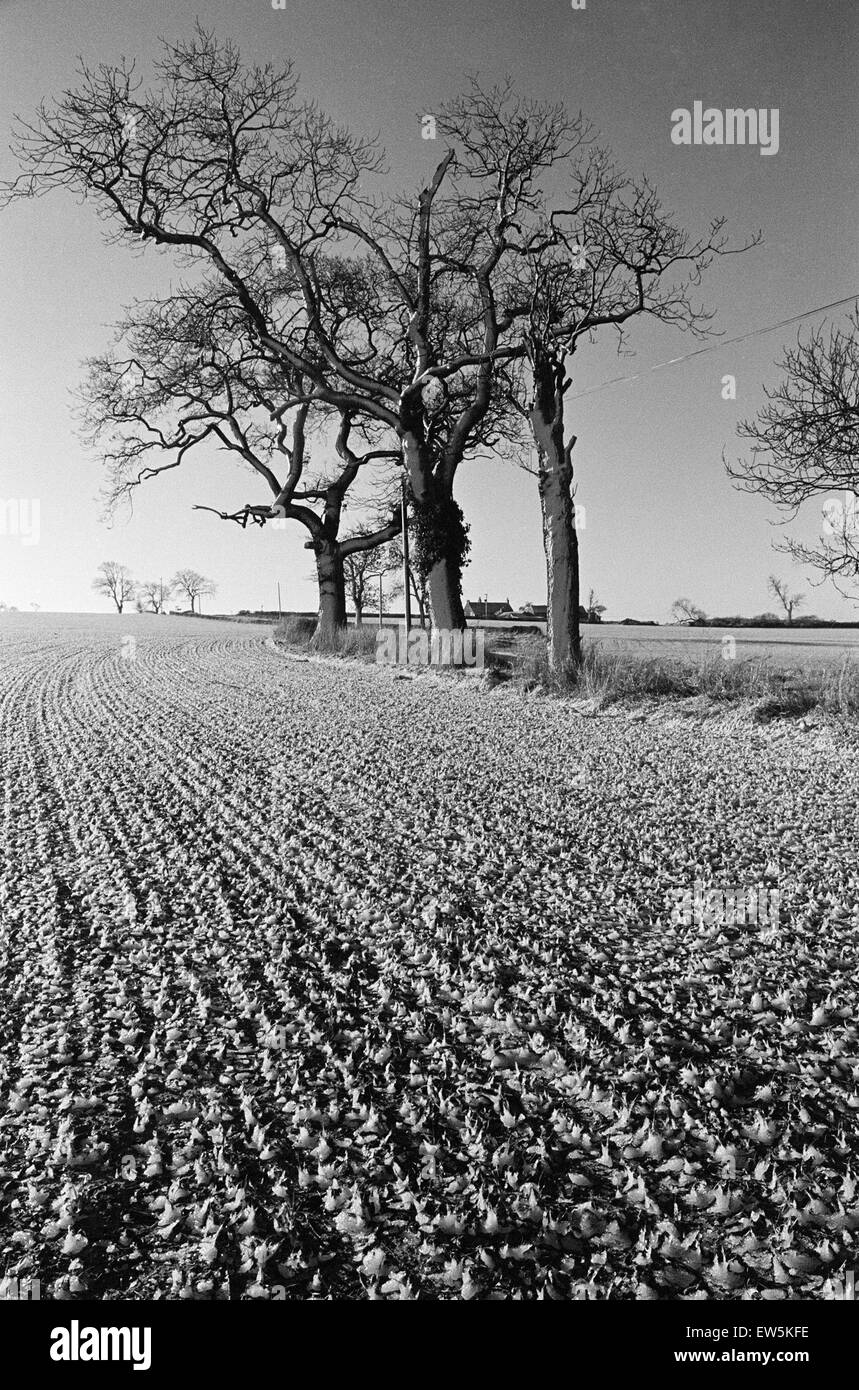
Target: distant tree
<point x="362" y="567"/>
<point x="115" y="582"/>
<point x="154" y="593"/>
<point x="683" y="610"/>
<point x="420" y="593"/>
<point x="418" y="585"/>
<point x="193" y="585"/>
<point x="594" y="609"/>
<point x="779" y="589"/>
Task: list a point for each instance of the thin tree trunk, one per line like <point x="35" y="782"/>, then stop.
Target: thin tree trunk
<point x="418" y="593"/>
<point x="560" y="541"/>
<point x="332" y="587"/>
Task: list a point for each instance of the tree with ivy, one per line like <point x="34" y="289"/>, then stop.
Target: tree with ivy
<point x="228" y="169"/>
<point x="476" y="272"/>
<point x="575" y="249"/>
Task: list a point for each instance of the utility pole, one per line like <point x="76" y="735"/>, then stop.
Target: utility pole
<point x="407" y="598"/>
<point x="380" y="598"/>
<point x="279" y="613"/>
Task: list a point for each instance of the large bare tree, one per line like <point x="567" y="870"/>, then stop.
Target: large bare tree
<point x="578" y="248"/>
<point x="224" y="165"/>
<point x="188" y="377"/>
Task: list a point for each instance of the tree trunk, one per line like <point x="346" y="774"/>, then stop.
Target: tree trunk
<point x="561" y="545"/>
<point x="359" y="613"/>
<point x="332" y="587"/>
<point x="429" y="494"/>
<point x="445" y="593"/>
<point x="560" y="541"/>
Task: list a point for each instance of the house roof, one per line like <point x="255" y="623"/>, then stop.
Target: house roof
<point x="486" y="608"/>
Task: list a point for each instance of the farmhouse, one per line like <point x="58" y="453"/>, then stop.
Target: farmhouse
<point x="488" y="608"/>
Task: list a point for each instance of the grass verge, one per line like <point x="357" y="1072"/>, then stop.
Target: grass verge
<point x="607" y="676"/>
<point x="301" y="633"/>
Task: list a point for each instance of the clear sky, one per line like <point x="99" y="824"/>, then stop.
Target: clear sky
<point x="661" y="516"/>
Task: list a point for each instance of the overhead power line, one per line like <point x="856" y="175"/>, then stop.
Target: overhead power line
<point x="713" y="347"/>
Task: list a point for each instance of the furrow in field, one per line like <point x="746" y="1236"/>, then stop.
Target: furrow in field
<point x="347" y="962"/>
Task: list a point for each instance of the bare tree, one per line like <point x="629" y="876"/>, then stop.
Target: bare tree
<point x="190" y="376"/>
<point x="114" y="581"/>
<point x="363" y="568"/>
<point x="193" y="585"/>
<point x="836" y="558"/>
<point x="683" y="610"/>
<point x="805" y="443"/>
<point x="575" y="247"/>
<point x="594" y="609"/>
<point x="779" y="589"/>
<point x="418" y="586"/>
<point x="225" y="166"/>
<point x="154" y="594"/>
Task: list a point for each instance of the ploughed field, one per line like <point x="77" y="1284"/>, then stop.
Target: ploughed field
<point x="778" y="647"/>
<point x="324" y="980"/>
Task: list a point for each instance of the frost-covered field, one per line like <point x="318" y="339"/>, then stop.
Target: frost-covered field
<point x="319" y="981"/>
<point x="797" y="647"/>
